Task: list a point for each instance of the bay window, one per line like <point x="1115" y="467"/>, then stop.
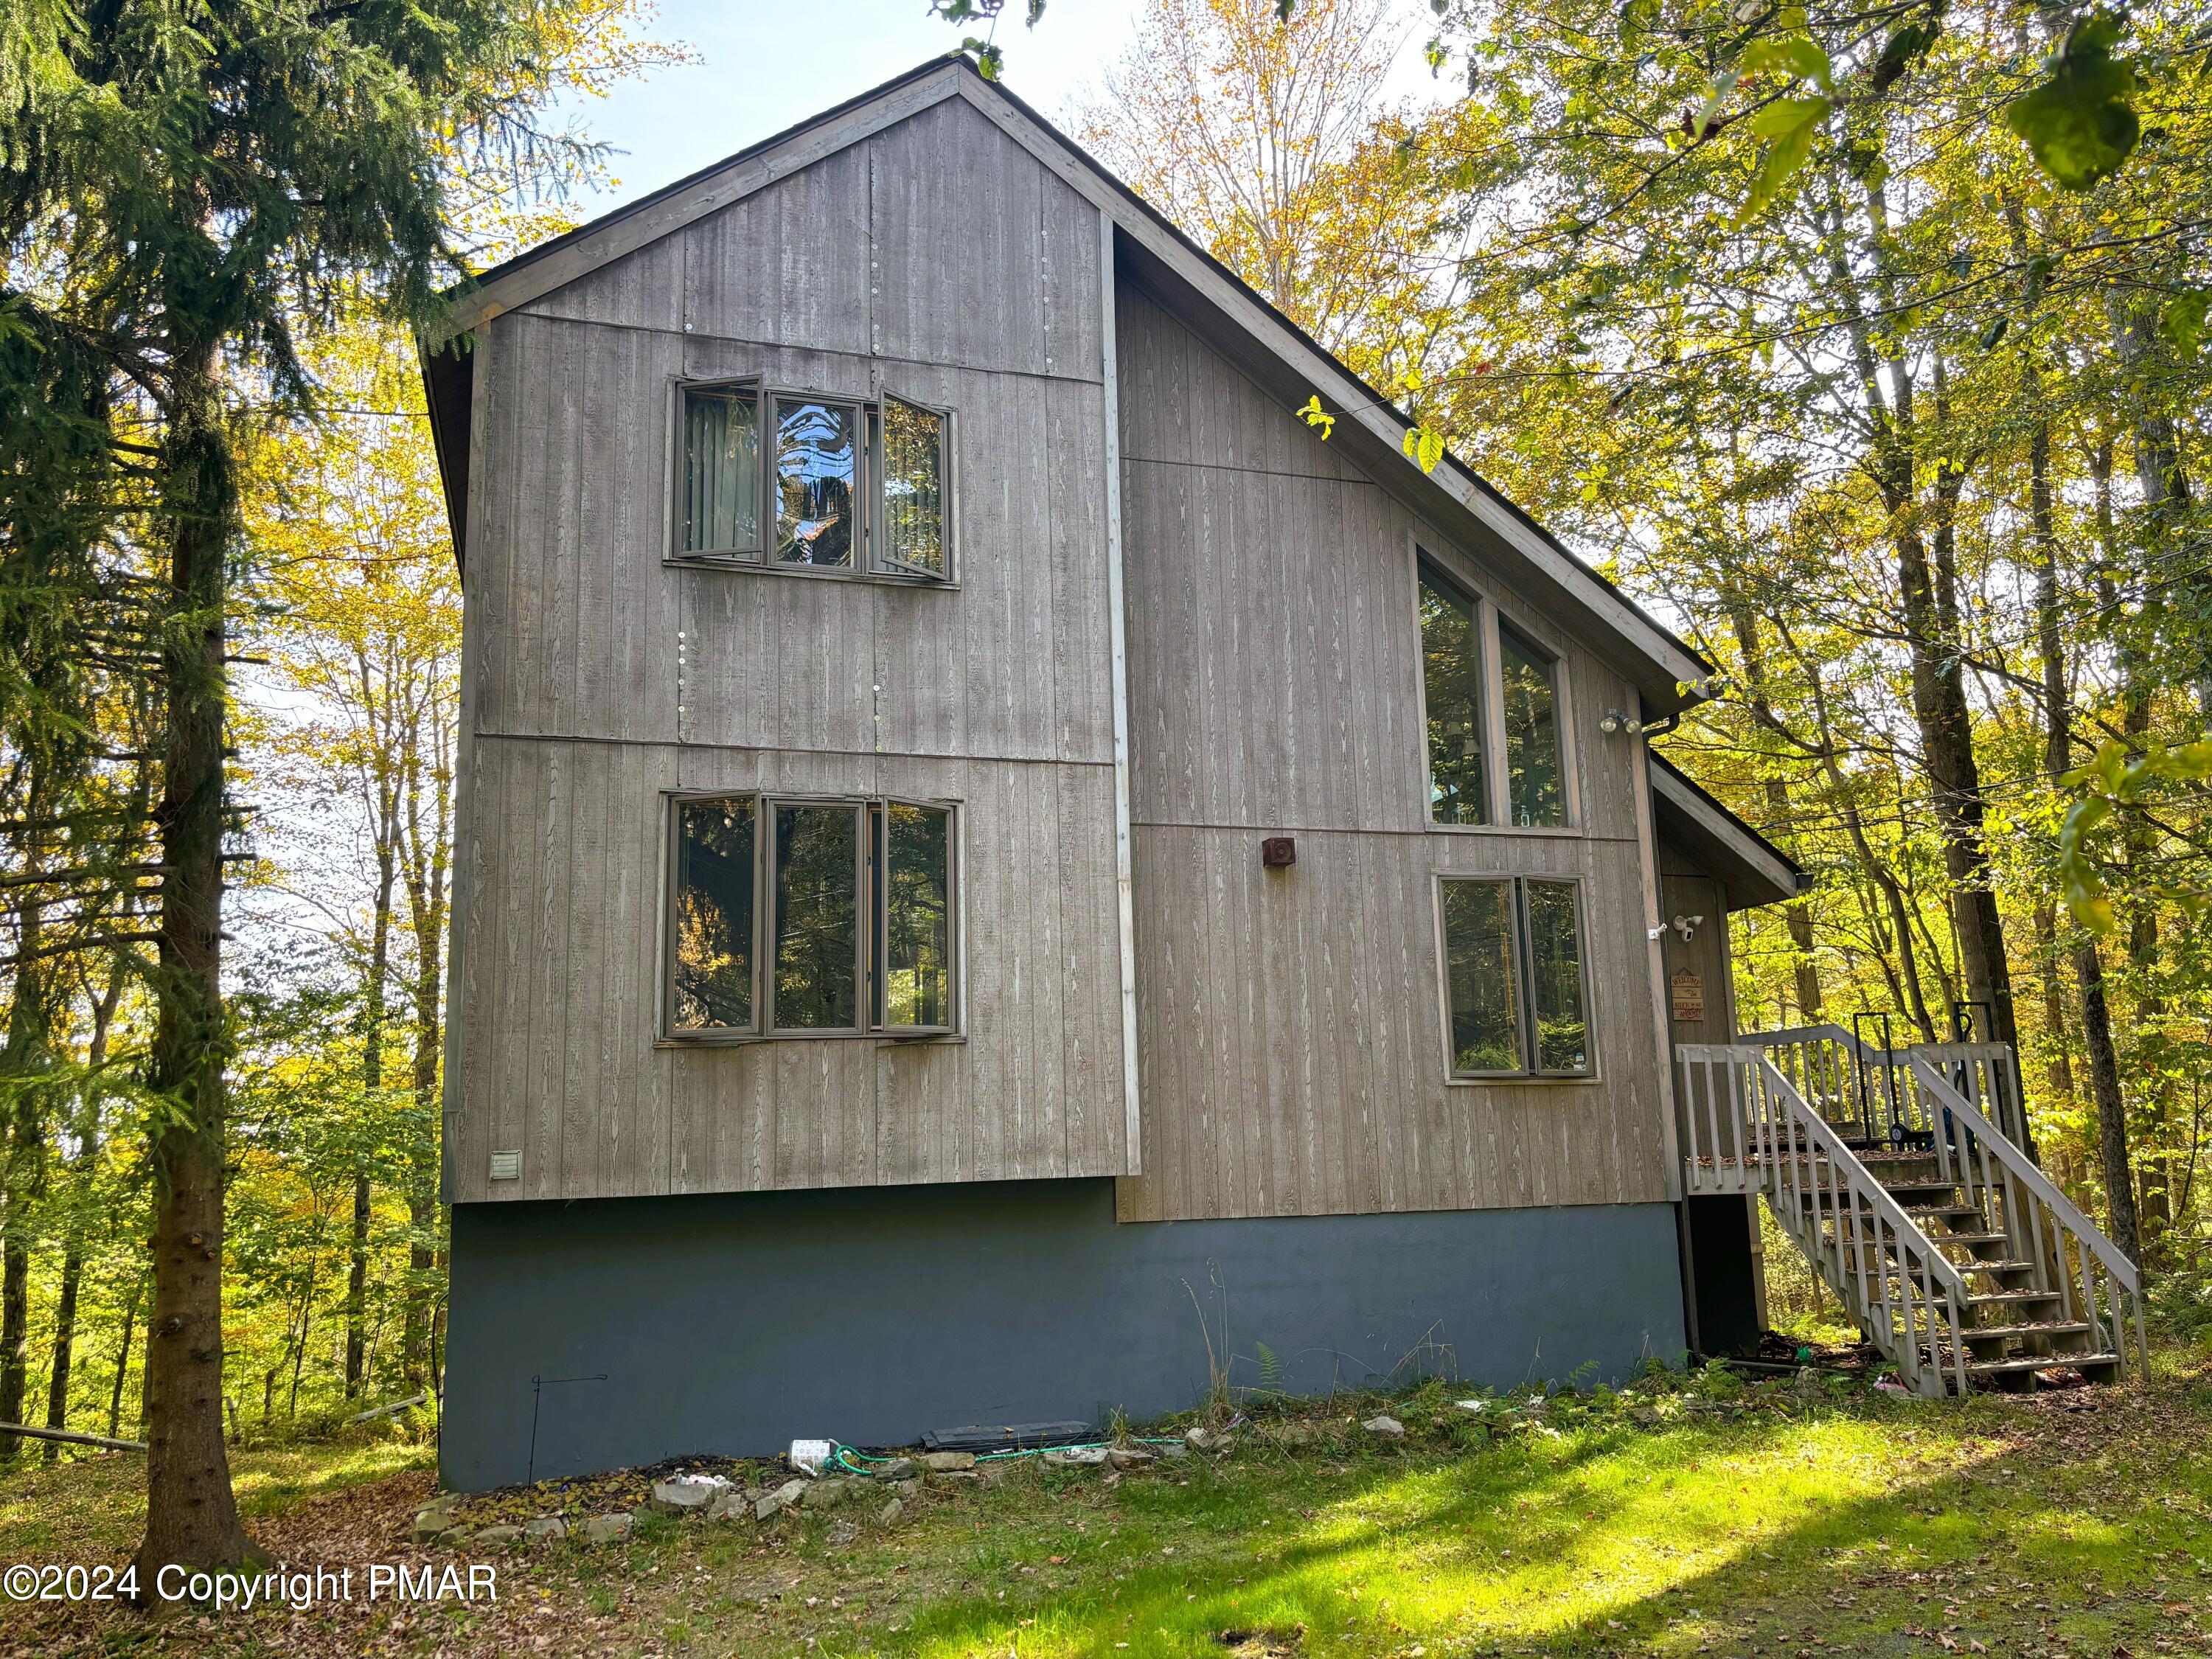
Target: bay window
<point x="855" y="936"/>
<point x="785" y="480"/>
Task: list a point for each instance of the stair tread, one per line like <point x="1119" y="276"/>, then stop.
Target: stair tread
<point x="2040" y="1362"/>
<point x="1983" y="1298"/>
<point x="2062" y="1328"/>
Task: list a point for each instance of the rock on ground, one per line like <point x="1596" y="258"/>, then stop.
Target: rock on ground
<point x="782" y="1498"/>
<point x="947" y="1463"/>
<point x="687" y="1494"/>
<point x="1075" y="1457"/>
<point x="1389" y="1427"/>
<point x="544" y="1526"/>
<point x="607" y="1528"/>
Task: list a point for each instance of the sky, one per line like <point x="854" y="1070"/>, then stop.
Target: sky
<point x="769" y="64"/>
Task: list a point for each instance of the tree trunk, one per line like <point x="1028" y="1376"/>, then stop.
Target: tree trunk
<point x="123" y="1364"/>
<point x="191" y="1514"/>
<point x="2058" y="1071"/>
<point x="22" y="1056"/>
<point x="57" y="1387"/>
<point x="372" y="1077"/>
<point x="1947" y="747"/>
<point x="14" y="1337"/>
<point x="428" y="856"/>
<point x="2166" y="495"/>
<point x="2111" y="1112"/>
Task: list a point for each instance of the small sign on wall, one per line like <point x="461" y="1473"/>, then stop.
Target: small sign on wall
<point x="1689" y="996"/>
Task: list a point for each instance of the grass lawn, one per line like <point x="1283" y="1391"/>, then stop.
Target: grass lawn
<point x="1651" y="1523"/>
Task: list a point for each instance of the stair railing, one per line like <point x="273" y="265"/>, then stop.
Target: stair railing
<point x="1855" y="1084"/>
<point x="1748" y="1127"/>
<point x="2041" y="1225"/>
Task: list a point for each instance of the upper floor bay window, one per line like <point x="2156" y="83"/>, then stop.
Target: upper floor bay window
<point x="794" y="480"/>
<point x="1516" y="994"/>
<point x="855" y="933"/>
<point x="1495" y="751"/>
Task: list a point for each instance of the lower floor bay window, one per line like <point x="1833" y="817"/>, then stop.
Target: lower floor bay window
<point x="805" y="917"/>
<point x="1515" y="993"/>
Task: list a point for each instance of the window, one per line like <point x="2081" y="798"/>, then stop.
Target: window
<point x="720" y="511"/>
<point x="1532" y="731"/>
<point x="1497" y="754"/>
<point x="856" y="935"/>
<point x="834" y="484"/>
<point x="1514" y="991"/>
<point x="1451" y="668"/>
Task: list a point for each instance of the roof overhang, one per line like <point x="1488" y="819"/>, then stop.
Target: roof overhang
<point x="1205" y="294"/>
<point x="1755" y="869"/>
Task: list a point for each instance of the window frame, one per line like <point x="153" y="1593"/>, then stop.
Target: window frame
<point x="869" y="564"/>
<point x="1555" y="684"/>
<point x="1524" y="989"/>
<point x="870" y="942"/>
<point x="1422" y="557"/>
<point x="718" y="557"/>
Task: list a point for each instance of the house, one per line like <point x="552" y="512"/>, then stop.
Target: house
<point x="1001" y="875"/>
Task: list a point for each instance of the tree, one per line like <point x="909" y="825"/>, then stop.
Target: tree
<point x="1257" y="135"/>
<point x="351" y="524"/>
<point x="214" y="180"/>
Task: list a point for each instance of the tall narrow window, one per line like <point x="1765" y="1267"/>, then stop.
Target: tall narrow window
<point x="1481" y="977"/>
<point x="914" y="488"/>
<point x="1555" y="979"/>
<point x="719" y="513"/>
<point x="1513" y="978"/>
<point x="1451" y="667"/>
<point x="1532" y="780"/>
<point x="816" y="983"/>
<point x="713" y="969"/>
<point x="916" y="874"/>
<point x="817" y="480"/>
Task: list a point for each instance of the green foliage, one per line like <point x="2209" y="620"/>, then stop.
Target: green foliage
<point x="2113" y="782"/>
<point x="2080" y="123"/>
<point x="2183" y="320"/>
<point x="1792" y="124"/>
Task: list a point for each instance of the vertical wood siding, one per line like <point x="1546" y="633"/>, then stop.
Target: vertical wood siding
<point x="1290" y="1023"/>
<point x="940" y="261"/>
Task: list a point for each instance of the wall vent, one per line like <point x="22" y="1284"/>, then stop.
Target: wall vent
<point x="506" y="1166"/>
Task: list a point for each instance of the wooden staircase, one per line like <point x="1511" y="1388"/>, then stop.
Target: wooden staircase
<point x="1959" y="1260"/>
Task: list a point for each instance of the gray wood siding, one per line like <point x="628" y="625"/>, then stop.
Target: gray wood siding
<point x="1290" y="1023"/>
<point x="936" y="260"/>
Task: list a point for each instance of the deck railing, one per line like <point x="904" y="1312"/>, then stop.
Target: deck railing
<point x="2101" y="1287"/>
<point x="1867" y="1091"/>
<point x="1746" y="1127"/>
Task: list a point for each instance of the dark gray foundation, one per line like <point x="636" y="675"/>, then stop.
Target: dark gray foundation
<point x="734" y="1324"/>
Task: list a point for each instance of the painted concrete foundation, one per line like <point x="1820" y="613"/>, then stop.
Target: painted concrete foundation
<point x="733" y="1324"/>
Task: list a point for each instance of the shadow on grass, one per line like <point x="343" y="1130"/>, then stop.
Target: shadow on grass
<point x="1745" y="1534"/>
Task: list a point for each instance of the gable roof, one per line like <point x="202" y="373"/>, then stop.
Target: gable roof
<point x="1218" y="304"/>
<point x="1756" y="870"/>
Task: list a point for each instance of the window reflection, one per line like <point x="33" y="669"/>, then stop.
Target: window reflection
<point x="817" y="918"/>
<point x="1451" y="666"/>
<point x="917" y="965"/>
<point x="1480" y="974"/>
<point x="1531" y="731"/>
<point x="816" y="469"/>
<point x="714" y="967"/>
<point x="914" y="486"/>
<point x="1555" y="977"/>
